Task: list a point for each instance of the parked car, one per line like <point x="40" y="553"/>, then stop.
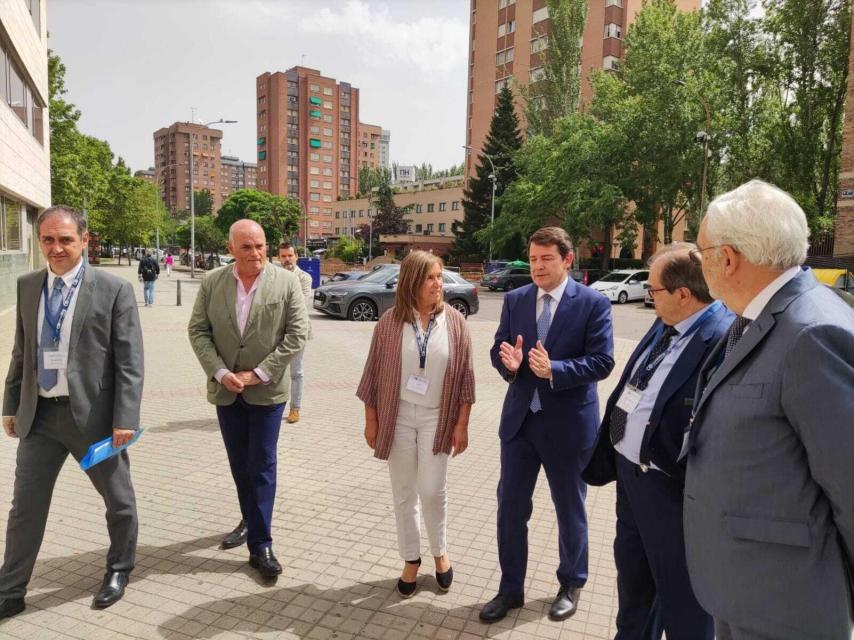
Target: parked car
<point x="586" y="276"/>
<point x="507" y="279"/>
<point x="835" y="278"/>
<point x="622" y="285"/>
<point x="373" y="294"/>
<point x="647" y="298"/>
<point x="342" y="276"/>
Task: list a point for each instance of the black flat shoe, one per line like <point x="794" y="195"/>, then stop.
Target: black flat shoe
<point x="565" y="603"/>
<point x="265" y="562"/>
<point x="11" y="607"/>
<point x="497" y="608"/>
<point x="445" y="578"/>
<point x="236" y="537"/>
<point x="112" y="589"/>
<point x="407" y="589"/>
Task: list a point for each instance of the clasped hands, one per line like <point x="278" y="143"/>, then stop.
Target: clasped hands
<point x="538" y="358"/>
<point x="235" y="382"/>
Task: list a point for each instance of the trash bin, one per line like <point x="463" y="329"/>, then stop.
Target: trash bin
<point x="312" y="267"/>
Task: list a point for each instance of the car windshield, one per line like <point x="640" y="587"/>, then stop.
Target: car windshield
<point x="380" y="275"/>
<point x="614" y="277"/>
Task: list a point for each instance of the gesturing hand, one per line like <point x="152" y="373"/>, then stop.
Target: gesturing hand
<point x="511" y="355"/>
<point x="538" y="360"/>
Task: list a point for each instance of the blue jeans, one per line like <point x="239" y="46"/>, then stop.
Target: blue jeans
<point x="148" y="292"/>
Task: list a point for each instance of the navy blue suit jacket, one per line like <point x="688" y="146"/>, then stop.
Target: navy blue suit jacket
<point x="580" y="344"/>
<point x="671" y="414"/>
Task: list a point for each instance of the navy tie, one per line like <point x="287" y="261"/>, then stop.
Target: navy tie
<point x="736" y="330"/>
<point x="543" y="324"/>
<point x="48" y="377"/>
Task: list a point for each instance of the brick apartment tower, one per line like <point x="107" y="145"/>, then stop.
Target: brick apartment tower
<point x="172" y="164"/>
<point x="505" y="40"/>
<point x="308" y="141"/>
<point x="369" y="147"/>
<point x="843" y="244"/>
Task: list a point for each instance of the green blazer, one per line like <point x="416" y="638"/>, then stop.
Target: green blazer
<point x="276" y="329"/>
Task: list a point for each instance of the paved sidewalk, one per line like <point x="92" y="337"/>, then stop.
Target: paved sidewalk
<point x="333" y="526"/>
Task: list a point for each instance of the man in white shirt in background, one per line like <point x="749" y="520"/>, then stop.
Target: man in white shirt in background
<point x="288" y="260"/>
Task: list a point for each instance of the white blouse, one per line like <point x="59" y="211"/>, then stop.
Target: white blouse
<point x="434" y="371"/>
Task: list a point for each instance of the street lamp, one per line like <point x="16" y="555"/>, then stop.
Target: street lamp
<point x="704" y="137"/>
<point x="193" y="194"/>
<point x="493" y="177"/>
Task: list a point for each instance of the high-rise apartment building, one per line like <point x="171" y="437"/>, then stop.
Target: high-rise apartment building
<point x="369" y="148"/>
<point x="172" y="163"/>
<point x="149" y="175"/>
<point x="24" y="139"/>
<point x="236" y="174"/>
<point x="385" y="149"/>
<point x="506" y="38"/>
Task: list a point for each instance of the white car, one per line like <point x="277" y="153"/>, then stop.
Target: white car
<point x="622" y="285"/>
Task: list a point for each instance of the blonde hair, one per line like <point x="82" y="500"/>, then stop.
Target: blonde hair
<point x="413" y="274"/>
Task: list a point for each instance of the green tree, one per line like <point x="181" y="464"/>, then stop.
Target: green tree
<point x="389" y="219"/>
<point x="209" y="236"/>
<point x="556" y="90"/>
<point x="348" y="249"/>
<point x="203" y="202"/>
<point x="501" y="144"/>
<point x="371" y="177"/>
<point x="278" y="216"/>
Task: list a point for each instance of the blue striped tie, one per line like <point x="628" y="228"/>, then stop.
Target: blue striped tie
<point x="48" y="377"/>
<point x="543" y="324"/>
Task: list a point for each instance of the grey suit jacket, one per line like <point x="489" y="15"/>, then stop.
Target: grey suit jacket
<point x="769" y="492"/>
<point x="275" y="331"/>
<point x="105" y="356"/>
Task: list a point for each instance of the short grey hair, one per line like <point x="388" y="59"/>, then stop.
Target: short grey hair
<point x="762" y="222"/>
<point x="64" y="211"/>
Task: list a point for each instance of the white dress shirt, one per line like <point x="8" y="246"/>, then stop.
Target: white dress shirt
<point x="637" y="420"/>
<point x="61" y="387"/>
<point x="437" y="363"/>
<point x="243" y="305"/>
<point x="758" y="304"/>
<point x="556" y="295"/>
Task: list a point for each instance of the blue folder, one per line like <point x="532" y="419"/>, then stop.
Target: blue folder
<point x="104" y="449"/>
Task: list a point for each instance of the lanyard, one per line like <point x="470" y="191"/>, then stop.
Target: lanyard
<point x="56" y="325"/>
<point x="708" y="313"/>
<point x="421" y="340"/>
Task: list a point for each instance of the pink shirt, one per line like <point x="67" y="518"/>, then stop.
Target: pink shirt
<point x="243" y="305"/>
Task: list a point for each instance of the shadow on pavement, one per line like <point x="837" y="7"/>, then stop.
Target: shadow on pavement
<point x="208" y="424"/>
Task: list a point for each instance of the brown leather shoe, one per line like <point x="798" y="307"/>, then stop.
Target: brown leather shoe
<point x="293" y="416"/>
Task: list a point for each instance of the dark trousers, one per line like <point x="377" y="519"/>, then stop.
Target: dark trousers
<point x="39" y="459"/>
<point x="554" y="448"/>
<point x="654" y="590"/>
<point x="251" y="434"/>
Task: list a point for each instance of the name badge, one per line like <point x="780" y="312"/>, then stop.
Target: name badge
<point x="53" y="359"/>
<point x="417" y="384"/>
<point x="629" y="399"/>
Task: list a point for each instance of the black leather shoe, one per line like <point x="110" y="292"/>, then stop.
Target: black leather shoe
<point x="265" y="562"/>
<point x="445" y="579"/>
<point x="497" y="608"/>
<point x="565" y="604"/>
<point x="11" y="607"/>
<point x="407" y="589"/>
<point x="236" y="537"/>
<point x="112" y="589"/>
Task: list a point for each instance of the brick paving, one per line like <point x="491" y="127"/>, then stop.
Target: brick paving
<point x="333" y="526"/>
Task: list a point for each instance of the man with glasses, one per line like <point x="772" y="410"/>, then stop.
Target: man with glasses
<point x="769" y="518"/>
<point x="638" y="446"/>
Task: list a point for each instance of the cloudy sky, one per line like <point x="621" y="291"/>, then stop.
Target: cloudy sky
<point x="134" y="66"/>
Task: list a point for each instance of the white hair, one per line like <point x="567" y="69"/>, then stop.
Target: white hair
<point x="762" y="222"/>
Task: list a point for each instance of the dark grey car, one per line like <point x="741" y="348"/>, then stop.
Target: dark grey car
<point x="371" y="295"/>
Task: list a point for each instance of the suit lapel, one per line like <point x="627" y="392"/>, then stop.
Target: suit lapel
<point x="529" y="324"/>
<point x="230" y="295"/>
<point x="31" y="298"/>
<point x="81" y="308"/>
<point x="561" y="313"/>
<point x="262" y="294"/>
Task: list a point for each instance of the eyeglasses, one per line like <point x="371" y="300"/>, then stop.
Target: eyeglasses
<point x="652" y="291"/>
<point x="696" y="255"/>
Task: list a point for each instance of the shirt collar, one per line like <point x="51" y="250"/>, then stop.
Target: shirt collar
<point x="688" y="322"/>
<point x="556" y="293"/>
<point x="67" y="277"/>
<point x="758" y="304"/>
<point x="254" y="283"/>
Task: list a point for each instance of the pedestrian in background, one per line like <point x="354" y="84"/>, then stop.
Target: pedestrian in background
<point x="288" y="260"/>
<point x="418" y="389"/>
<point x="169" y="261"/>
<point x="148" y="272"/>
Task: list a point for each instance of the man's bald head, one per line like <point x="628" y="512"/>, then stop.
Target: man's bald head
<point x="244" y="226"/>
<point x="248" y="245"/>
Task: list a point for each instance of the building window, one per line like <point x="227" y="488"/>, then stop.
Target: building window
<point x="327" y="158"/>
<point x="314" y="157"/>
<point x="10" y="224"/>
<point x="327" y="91"/>
<point x="613" y="3"/>
<point x="315" y="171"/>
<point x="441" y="227"/>
<point x="314" y="87"/>
<point x="327" y="104"/>
<point x="327" y="118"/>
<point x="418" y="228"/>
<point x="540" y="15"/>
<point x="327" y="185"/>
<point x="507" y="27"/>
<point x="327" y="131"/>
<point x="538" y="44"/>
<point x="504" y="82"/>
<point x="314" y="197"/>
<point x="504" y="56"/>
<point x="442" y="206"/>
<point x="455" y="205"/>
<point x="314" y="183"/>
<point x="417" y="208"/>
<point x="327" y="171"/>
<point x="314" y="209"/>
<point x="430" y="207"/>
<point x="314" y="143"/>
<point x="613" y="30"/>
<point x="505" y="3"/>
<point x="610" y="63"/>
<point x="429" y="228"/>
<point x="537" y="73"/>
<point x="337" y="215"/>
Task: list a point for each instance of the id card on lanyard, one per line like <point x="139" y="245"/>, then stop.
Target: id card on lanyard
<point x="418" y="383"/>
<point x="55" y="358"/>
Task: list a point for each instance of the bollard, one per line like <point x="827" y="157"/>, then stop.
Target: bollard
<point x="179" y="292"/>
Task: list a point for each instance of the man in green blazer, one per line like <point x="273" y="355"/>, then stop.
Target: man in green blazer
<point x="248" y="322"/>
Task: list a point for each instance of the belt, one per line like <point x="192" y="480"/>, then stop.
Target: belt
<point x="54" y="399"/>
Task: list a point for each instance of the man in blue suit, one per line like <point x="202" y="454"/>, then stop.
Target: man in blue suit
<point x="554" y="343"/>
<point x="639" y="444"/>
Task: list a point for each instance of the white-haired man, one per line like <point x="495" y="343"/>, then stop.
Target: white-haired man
<point x="769" y="513"/>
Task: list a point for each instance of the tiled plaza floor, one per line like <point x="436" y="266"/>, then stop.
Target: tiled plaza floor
<point x="333" y="524"/>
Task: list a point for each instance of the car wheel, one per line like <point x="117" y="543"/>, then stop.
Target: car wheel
<point x="509" y="286"/>
<point x="362" y="310"/>
<point x="623" y="297"/>
<point x="461" y="306"/>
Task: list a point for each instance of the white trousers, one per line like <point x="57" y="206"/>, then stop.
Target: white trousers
<point x="296" y="379"/>
<point x="418" y="481"/>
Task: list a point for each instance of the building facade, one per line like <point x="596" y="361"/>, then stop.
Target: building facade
<point x="843" y="243"/>
<point x="24" y="138"/>
<point x="385" y="149"/>
<point x="236" y="174"/>
<point x="149" y="175"/>
<point x="369" y="148"/>
<point x="172" y="163"/>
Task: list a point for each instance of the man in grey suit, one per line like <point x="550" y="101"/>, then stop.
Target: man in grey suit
<point x="248" y="322"/>
<point x="75" y="378"/>
<point x="769" y="493"/>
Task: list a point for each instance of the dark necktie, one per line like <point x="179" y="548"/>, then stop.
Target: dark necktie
<point x="543" y="324"/>
<point x="48" y="377"/>
<point x="736" y="330"/>
<point x="640" y="380"/>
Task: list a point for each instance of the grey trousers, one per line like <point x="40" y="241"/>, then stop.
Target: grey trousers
<point x="40" y="457"/>
<point x="297" y="379"/>
<point x="724" y="631"/>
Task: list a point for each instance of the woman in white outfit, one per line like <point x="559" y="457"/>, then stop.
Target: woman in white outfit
<point x="418" y="388"/>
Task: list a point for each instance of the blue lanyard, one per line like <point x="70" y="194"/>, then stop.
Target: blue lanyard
<point x="421" y="341"/>
<point x="56" y="325"/>
<point x="708" y="313"/>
